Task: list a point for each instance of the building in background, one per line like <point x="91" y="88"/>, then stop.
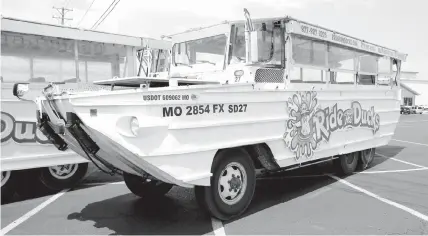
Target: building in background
<point x="408" y="95"/>
<point x="415" y="90"/>
<point x="38" y="53"/>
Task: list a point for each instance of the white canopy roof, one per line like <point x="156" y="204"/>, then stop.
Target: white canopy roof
<point x="39" y="28"/>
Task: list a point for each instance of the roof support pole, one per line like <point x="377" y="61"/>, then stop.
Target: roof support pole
<point x="76" y="59"/>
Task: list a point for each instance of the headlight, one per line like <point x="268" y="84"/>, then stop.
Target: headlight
<point x="134" y="125"/>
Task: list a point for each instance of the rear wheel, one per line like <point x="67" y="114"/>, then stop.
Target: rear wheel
<point x="232" y="185"/>
<point x="145" y="188"/>
<point x="346" y="164"/>
<point x="366" y="158"/>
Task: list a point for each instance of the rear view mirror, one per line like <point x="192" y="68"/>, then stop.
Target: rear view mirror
<point x="20" y="89"/>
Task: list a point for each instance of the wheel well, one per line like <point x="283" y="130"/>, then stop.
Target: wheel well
<point x="260" y="154"/>
<point x="253" y="155"/>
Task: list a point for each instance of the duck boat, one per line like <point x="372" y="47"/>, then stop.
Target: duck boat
<point x="242" y="99"/>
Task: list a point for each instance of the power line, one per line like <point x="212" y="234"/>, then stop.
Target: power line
<point x="96" y="25"/>
<point x="107" y="14"/>
<point x="103" y="14"/>
<point x="62" y="11"/>
<point x="86" y="12"/>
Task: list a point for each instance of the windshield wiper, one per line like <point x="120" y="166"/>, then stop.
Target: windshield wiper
<point x="204" y="61"/>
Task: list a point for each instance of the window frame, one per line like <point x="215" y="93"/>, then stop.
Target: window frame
<point x="326" y="68"/>
<point x="174" y="47"/>
<point x="231" y="44"/>
<point x="68" y="50"/>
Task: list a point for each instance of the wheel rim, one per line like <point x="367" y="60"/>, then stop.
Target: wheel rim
<point x="5" y="175"/>
<point x="232" y="183"/>
<point x="63" y="171"/>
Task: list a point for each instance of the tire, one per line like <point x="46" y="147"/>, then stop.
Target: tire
<point x="346" y="164"/>
<point x="57" y="178"/>
<point x="144" y="188"/>
<point x="21" y="185"/>
<point x="227" y="163"/>
<point x="27" y="184"/>
<point x="366" y="158"/>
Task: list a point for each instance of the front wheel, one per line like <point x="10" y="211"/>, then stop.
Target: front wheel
<point x="145" y="188"/>
<point x="232" y="185"/>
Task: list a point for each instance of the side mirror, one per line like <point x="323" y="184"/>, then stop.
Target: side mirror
<point x="20" y="89"/>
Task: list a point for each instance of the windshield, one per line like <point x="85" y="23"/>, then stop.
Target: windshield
<point x="269" y="44"/>
<point x="159" y="61"/>
<point x="206" y="52"/>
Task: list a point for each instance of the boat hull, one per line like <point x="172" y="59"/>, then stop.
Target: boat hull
<point x="180" y="130"/>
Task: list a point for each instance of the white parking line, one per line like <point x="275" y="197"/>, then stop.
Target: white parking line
<point x="422" y="144"/>
<point x="218" y="228"/>
<point x="413" y="121"/>
<point x="102" y="183"/>
<point x="405" y="162"/>
<point x="290" y="177"/>
<point x="29" y="214"/>
<point x="408" y="163"/>
<point x="389" y="171"/>
<point x="397" y="205"/>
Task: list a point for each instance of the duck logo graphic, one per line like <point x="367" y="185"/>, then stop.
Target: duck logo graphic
<point x="300" y="133"/>
<point x="308" y="124"/>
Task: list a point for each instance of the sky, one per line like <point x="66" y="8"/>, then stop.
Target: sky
<point x="396" y="24"/>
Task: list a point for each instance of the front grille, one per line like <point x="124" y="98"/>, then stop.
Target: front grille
<point x="269" y="75"/>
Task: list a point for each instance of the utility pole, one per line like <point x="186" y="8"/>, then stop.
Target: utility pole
<point x="62" y="11"/>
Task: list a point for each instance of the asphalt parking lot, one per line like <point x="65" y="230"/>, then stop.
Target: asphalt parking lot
<point x="389" y="198"/>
